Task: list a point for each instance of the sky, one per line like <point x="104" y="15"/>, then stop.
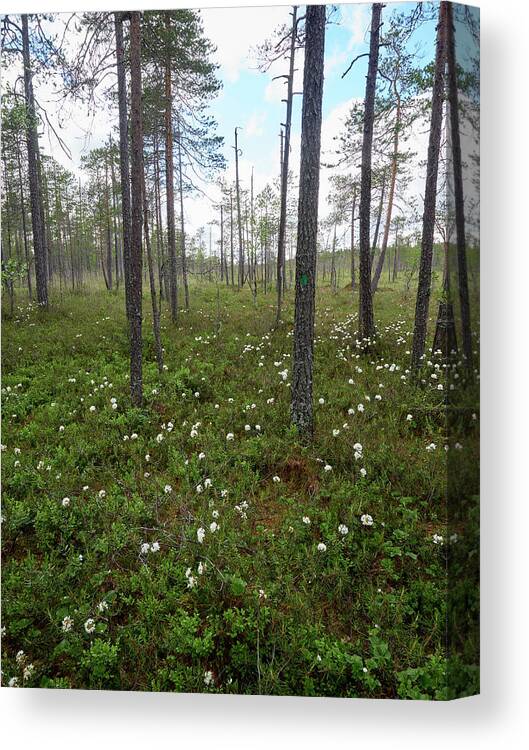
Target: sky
<point x="252" y="100"/>
<point x="249" y="98"/>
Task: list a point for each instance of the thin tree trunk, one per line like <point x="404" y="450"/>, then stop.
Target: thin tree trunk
<point x="239" y="219"/>
<point x="108" y="228"/>
<point x="169" y="180"/>
<point x="395" y="256"/>
<point x="333" y="262"/>
<point x="223" y="269"/>
<point x="162" y="275"/>
<point x="252" y="244"/>
<point x="353" y="269"/>
<point x="459" y="200"/>
<point x="284" y="169"/>
<point x="123" y="156"/>
<point x="391" y="198"/>
<point x="182" y="227"/>
<point x="136" y="386"/>
<point x="24" y="225"/>
<point x="379" y="216"/>
<point x="152" y="283"/>
<point x="33" y="171"/>
<point x="45" y="216"/>
<point x="309" y="179"/>
<point x="365" y="314"/>
<point x="430" y="193"/>
<point x="231" y="240"/>
<point x="114" y="217"/>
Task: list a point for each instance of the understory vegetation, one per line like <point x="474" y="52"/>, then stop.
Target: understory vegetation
<point x="196" y="544"/>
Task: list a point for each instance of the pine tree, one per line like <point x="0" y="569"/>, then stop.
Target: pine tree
<point x="309" y="180"/>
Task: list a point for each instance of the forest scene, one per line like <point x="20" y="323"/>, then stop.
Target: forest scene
<point x="240" y="350"/>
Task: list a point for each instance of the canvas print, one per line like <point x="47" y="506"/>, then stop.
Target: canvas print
<point x="240" y="350"/>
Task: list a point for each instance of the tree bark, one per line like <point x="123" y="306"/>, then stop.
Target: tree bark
<point x="396" y="257"/>
<point x="136" y="386"/>
<point x="365" y="313"/>
<point x="430" y="194"/>
<point x="309" y="179"/>
<point x="24" y="225"/>
<point x="169" y="181"/>
<point x="152" y="282"/>
<point x="391" y="198"/>
<point x="182" y="226"/>
<point x="41" y="277"/>
<point x="379" y="217"/>
<point x="123" y="155"/>
<point x="114" y="216"/>
<point x="285" y="149"/>
<point x="108" y="227"/>
<point x="459" y="201"/>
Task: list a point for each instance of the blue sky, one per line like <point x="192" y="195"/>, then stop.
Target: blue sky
<point x="252" y="101"/>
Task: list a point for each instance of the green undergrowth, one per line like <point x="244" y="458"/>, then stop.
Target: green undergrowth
<point x="325" y="574"/>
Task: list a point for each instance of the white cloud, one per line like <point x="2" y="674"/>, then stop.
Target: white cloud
<point x="254" y="124"/>
<point x="235" y="31"/>
<point x="356" y="19"/>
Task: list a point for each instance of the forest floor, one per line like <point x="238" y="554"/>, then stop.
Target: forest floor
<point x="195" y="544"/>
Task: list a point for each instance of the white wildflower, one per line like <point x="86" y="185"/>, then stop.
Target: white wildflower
<point x="208" y="678"/>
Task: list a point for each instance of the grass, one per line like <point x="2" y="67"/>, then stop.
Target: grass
<point x="256" y="607"/>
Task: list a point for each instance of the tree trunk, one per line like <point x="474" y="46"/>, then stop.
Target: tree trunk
<point x="309" y="179"/>
<point x="252" y="244"/>
<point x="152" y="282"/>
<point x="284" y="169"/>
<point x="24" y="225"/>
<point x="333" y="262"/>
<point x="169" y="181"/>
<point x="395" y="256"/>
<point x="108" y="227"/>
<point x="430" y="193"/>
<point x="33" y="171"/>
<point x="162" y="275"/>
<point x="379" y="217"/>
<point x="123" y="156"/>
<point x="391" y="198"/>
<point x="353" y="269"/>
<point x="239" y="219"/>
<point x="182" y="227"/>
<point x="365" y="313"/>
<point x="44" y="216"/>
<point x="136" y="386"/>
<point x="231" y="240"/>
<point x="114" y="218"/>
<point x="81" y="237"/>
<point x="459" y="201"/>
